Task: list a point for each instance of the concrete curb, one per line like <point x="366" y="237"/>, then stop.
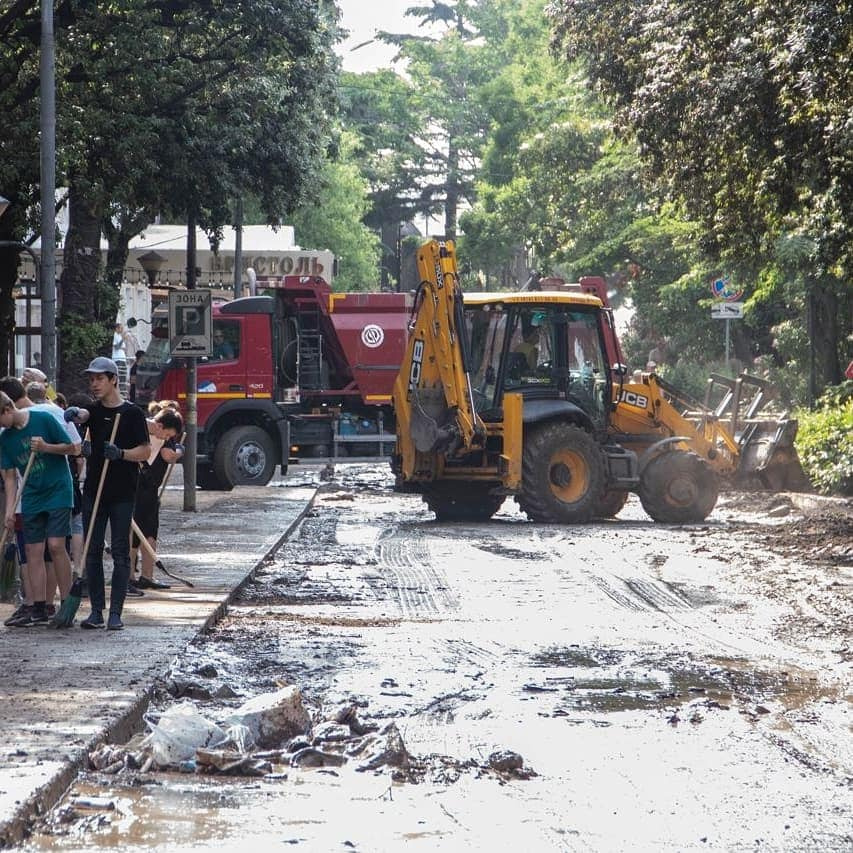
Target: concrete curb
<point x="259" y="509"/>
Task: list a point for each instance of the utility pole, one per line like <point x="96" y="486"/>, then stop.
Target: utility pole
<point x="192" y="385"/>
<point x="47" y="278"/>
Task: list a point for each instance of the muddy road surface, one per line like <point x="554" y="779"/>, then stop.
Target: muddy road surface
<point x="616" y="686"/>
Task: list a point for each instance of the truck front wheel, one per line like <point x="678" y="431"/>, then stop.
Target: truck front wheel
<point x="245" y="456"/>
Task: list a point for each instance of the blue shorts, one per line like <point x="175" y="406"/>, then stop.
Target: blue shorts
<point x="77" y="524"/>
<point x="50" y="524"/>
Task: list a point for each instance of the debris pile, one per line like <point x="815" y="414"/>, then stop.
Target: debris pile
<point x="273" y="731"/>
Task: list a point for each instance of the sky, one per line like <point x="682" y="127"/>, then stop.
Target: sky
<point x="363" y="18"/>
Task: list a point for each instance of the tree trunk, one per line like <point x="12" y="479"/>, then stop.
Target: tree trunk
<point x="451" y="208"/>
<point x="88" y="313"/>
<point x="825" y="335"/>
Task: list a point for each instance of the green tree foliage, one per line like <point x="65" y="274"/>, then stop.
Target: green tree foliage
<point x="175" y="106"/>
<point x="375" y="109"/>
<point x="334" y="219"/>
<point x="741" y="113"/>
<point x="447" y="72"/>
<point x="825" y="441"/>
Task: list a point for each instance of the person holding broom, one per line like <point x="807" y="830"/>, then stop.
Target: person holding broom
<point x="46" y="496"/>
<point x="164" y="430"/>
<point x="118" y="437"/>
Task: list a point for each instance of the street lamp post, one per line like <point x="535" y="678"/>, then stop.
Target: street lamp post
<point x="47" y="278"/>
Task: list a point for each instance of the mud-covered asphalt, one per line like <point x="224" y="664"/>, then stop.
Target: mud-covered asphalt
<point x="667" y="687"/>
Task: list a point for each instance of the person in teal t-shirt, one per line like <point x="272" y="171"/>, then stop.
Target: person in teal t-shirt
<point x="47" y="497"/>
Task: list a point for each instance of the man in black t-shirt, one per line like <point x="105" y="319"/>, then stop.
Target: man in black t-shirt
<point x="124" y="453"/>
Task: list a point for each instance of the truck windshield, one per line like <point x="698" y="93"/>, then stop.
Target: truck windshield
<point x="158" y="355"/>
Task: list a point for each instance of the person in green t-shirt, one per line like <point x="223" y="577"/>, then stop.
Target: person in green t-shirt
<point x="46" y="499"/>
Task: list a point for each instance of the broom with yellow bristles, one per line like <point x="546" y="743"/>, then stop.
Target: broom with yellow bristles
<point x="68" y="611"/>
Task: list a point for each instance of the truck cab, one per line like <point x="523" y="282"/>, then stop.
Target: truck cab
<point x="296" y="374"/>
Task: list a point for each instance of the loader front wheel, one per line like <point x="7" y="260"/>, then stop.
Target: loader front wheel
<point x="562" y="475"/>
<point x="678" y="488"/>
<point x="455" y="501"/>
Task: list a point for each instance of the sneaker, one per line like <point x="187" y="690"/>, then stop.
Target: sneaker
<point x="150" y="583"/>
<point x="115" y="623"/>
<point x="94" y="620"/>
<point x="37" y="617"/>
<point x="51" y="610"/>
<point x="21" y="615"/>
<point x="134" y="591"/>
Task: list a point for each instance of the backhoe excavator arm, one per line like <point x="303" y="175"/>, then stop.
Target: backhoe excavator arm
<point x="433" y="403"/>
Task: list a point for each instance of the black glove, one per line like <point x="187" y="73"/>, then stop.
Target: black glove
<point x="71" y="413"/>
<point x="86" y="448"/>
<point x="112" y="452"/>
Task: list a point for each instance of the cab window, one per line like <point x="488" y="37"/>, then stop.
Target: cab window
<point x="226" y="341"/>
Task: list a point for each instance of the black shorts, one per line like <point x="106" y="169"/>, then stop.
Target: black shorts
<point x="146" y="513"/>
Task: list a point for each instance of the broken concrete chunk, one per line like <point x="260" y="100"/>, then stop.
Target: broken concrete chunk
<point x="273" y="718"/>
<point x="347" y="715"/>
<point x="330" y="732"/>
<point x="313" y="757"/>
<point x="388" y="749"/>
<point x="297" y="743"/>
<point x="506" y="761"/>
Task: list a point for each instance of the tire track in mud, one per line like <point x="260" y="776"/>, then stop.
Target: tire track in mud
<point x="406" y="571"/>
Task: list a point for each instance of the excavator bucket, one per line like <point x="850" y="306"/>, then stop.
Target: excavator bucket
<point x="748" y="407"/>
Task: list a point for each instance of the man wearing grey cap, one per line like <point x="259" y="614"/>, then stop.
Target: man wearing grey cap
<point x="124" y="453"/>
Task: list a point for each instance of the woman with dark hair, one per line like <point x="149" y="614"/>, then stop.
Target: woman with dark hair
<point x="164" y="430"/>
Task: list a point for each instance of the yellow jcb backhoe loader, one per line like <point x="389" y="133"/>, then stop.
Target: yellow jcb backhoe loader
<point x="520" y="394"/>
<point x="510" y="394"/>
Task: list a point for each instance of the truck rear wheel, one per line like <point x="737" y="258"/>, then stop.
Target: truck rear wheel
<point x="562" y="475"/>
<point x="455" y="501"/>
<point x="677" y="487"/>
<point x="245" y="456"/>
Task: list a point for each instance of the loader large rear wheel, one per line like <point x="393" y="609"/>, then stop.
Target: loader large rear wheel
<point x="677" y="488"/>
<point x="562" y="475"/>
<point x="454" y="501"/>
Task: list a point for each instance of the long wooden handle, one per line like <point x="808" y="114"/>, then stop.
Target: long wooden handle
<point x="168" y="474"/>
<point x="98" y="497"/>
<point x="20" y="495"/>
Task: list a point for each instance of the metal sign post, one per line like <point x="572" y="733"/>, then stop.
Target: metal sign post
<point x="730" y="308"/>
<point x="727" y="311"/>
<point x="190" y="324"/>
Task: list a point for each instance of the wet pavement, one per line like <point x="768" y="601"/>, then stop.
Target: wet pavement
<point x="63" y="691"/>
<point x="668" y="687"/>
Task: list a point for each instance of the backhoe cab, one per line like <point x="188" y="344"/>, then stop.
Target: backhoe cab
<point x="511" y="394"/>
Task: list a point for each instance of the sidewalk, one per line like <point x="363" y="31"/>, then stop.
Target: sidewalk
<point x="63" y="691"/>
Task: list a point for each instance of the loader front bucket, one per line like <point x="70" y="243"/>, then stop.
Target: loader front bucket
<point x="768" y="458"/>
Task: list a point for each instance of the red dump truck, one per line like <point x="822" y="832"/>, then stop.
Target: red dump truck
<point x="298" y="374"/>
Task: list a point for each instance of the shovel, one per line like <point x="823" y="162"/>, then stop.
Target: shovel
<point x="153" y="554"/>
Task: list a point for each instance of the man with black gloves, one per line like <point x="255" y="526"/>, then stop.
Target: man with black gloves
<point x="115" y="504"/>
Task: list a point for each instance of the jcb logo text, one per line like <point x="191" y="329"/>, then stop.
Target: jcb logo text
<point x="641" y="401"/>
